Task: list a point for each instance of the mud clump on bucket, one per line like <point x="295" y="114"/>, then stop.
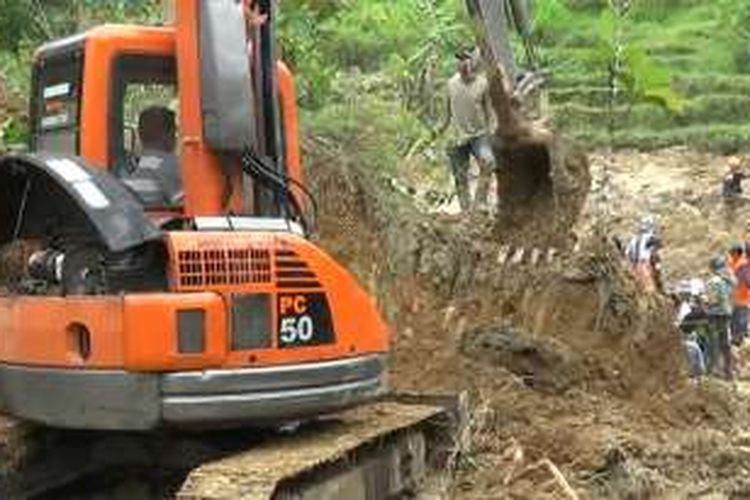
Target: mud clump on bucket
<point x="543" y="178"/>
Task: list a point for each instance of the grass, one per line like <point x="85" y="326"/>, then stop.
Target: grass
<point x="691" y="39"/>
<point x="716" y="138"/>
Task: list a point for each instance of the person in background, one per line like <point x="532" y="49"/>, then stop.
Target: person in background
<point x="738" y="264"/>
<point x="719" y="310"/>
<point x="470" y="119"/>
<point x="642" y="253"/>
<point x="731" y="188"/>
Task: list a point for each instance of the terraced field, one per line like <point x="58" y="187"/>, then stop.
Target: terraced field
<point x="698" y="47"/>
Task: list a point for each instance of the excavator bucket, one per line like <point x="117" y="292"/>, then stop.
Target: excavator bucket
<point x="542" y="178"/>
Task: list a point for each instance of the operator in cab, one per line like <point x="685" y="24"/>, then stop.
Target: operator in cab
<point x="156" y="179"/>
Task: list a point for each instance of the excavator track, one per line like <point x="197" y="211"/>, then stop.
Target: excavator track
<point x="382" y="450"/>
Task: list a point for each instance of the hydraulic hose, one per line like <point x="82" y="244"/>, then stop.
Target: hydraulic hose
<point x="259" y="169"/>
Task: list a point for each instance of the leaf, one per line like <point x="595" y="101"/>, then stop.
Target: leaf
<point x="666" y="98"/>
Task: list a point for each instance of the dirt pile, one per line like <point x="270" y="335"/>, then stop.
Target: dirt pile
<point x="560" y="350"/>
<point x="437" y="277"/>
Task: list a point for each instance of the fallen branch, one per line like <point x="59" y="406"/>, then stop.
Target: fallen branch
<point x="557" y="480"/>
<point x="512" y="459"/>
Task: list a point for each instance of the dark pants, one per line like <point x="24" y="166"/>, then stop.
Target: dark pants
<point x="460" y="157"/>
<point x="710" y="329"/>
<point x="721" y="359"/>
<point x="707" y="341"/>
<point x="731" y="203"/>
<point x="739" y="324"/>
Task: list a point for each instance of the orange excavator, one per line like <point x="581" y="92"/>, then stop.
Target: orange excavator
<point x="167" y="279"/>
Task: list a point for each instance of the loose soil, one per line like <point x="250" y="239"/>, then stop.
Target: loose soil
<point x="567" y="359"/>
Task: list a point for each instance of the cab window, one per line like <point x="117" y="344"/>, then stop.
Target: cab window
<point x="55" y="105"/>
<point x="144" y="146"/>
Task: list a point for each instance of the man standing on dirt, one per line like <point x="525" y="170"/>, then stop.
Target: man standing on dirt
<point x="739" y="265"/>
<point x="471" y="121"/>
<point x="719" y="309"/>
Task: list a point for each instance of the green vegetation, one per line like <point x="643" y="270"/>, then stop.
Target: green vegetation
<point x="685" y="64"/>
<point x="25" y="24"/>
<point x="685" y="74"/>
<point x="698" y="55"/>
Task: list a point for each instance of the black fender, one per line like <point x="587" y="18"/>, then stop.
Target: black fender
<point x="43" y="195"/>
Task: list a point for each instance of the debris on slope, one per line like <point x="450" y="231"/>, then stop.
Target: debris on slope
<point x="12" y="262"/>
<point x="570" y="359"/>
<point x="681" y="189"/>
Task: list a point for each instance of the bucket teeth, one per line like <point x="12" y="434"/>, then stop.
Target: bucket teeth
<point x="518" y="256"/>
<point x="536" y="254"/>
<point x="503" y="254"/>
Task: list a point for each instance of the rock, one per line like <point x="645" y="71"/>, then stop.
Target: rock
<point x="539" y="362"/>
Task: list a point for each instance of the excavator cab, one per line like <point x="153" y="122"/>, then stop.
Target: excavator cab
<point x="160" y="225"/>
<point x="104" y="119"/>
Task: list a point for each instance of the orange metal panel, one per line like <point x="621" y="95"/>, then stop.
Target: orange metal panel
<point x="136" y="332"/>
<point x="34" y="331"/>
<point x="358" y="326"/>
<point x="202" y="175"/>
<point x="150" y="331"/>
<point x="288" y="99"/>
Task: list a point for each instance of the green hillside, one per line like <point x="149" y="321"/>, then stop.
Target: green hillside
<point x="396" y="56"/>
<point x="703" y="47"/>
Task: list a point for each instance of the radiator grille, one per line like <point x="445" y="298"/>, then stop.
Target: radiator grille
<point x="222" y="267"/>
<point x="293" y="272"/>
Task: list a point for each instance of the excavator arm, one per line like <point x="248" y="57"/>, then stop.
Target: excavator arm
<point x="493" y="20"/>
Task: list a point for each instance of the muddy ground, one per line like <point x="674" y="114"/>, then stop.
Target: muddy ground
<point x="565" y="356"/>
<point x="682" y="189"/>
